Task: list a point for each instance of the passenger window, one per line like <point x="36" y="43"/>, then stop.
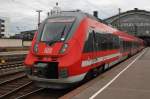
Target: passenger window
<point x="89" y="43"/>
<point x="101" y="41"/>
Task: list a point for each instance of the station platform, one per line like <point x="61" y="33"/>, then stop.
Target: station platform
<point x="127" y="80"/>
<point x="13" y="53"/>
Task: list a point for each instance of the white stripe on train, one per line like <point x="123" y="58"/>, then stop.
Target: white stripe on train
<point x="99" y="59"/>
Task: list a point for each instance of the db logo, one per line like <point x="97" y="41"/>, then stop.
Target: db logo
<point x="48" y="50"/>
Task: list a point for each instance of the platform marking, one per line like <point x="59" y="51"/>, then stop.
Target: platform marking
<point x="104" y="87"/>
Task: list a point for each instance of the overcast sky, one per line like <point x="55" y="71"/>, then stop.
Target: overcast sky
<point x="22" y="13"/>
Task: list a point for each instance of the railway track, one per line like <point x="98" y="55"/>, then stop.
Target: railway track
<point x="11" y="65"/>
<point x="5" y="78"/>
<point x="10" y="68"/>
<point x="9" y="58"/>
<point x="16" y="86"/>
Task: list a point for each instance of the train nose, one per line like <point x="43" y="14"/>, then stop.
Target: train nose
<point x="43" y="49"/>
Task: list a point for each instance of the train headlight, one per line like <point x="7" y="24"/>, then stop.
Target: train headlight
<point x="63" y="73"/>
<point x="35" y="48"/>
<point x="64" y="48"/>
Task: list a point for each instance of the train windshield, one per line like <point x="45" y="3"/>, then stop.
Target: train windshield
<point x="57" y="29"/>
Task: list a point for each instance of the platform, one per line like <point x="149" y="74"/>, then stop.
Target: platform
<point x="128" y="80"/>
<point x="13" y="53"/>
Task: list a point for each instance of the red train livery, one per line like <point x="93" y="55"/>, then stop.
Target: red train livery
<point x="74" y="46"/>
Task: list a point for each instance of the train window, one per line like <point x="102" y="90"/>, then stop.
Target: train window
<point x="101" y="41"/>
<point x="87" y="35"/>
<point x="98" y="40"/>
<point x="96" y="44"/>
<point x="115" y="42"/>
<point x="110" y="42"/>
<point x="104" y="42"/>
<point x="56" y="29"/>
<point x="107" y="41"/>
<point x="123" y="46"/>
<point x="127" y="45"/>
<point x="89" y="43"/>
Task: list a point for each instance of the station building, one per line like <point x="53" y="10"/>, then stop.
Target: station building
<point x="25" y="35"/>
<point x="135" y="22"/>
<point x="28" y="35"/>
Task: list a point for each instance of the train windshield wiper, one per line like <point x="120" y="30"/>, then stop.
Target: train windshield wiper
<point x="62" y="34"/>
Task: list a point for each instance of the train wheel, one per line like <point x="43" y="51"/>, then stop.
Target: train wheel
<point x="95" y="72"/>
<point x="101" y="69"/>
<point x="106" y="66"/>
<point x="88" y="76"/>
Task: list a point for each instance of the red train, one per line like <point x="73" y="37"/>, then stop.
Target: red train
<point x="74" y="46"/>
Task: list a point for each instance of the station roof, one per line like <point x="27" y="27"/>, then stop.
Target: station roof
<point x="136" y="10"/>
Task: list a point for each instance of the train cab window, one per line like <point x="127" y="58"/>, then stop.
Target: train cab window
<point x="56" y="29"/>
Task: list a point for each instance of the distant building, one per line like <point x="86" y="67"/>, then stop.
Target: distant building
<point x="28" y="35"/>
<point x="1" y="27"/>
<point x="25" y="35"/>
<point x="4" y="26"/>
<point x="135" y="22"/>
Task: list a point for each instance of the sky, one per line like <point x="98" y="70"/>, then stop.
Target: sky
<point x="22" y="14"/>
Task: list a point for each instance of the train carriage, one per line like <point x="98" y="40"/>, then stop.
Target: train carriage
<point x="73" y="46"/>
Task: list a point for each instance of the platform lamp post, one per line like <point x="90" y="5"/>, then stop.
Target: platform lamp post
<point x="39" y="15"/>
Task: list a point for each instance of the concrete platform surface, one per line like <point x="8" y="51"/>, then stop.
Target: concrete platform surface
<point x="13" y="53"/>
<point x="128" y="80"/>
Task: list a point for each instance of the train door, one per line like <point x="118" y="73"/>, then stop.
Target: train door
<point x="121" y="45"/>
<point x="90" y="47"/>
<point x="95" y="45"/>
<point x="121" y="49"/>
<point x="130" y="48"/>
<point x="96" y="70"/>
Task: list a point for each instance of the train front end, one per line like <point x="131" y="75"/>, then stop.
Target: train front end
<point x="54" y="56"/>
